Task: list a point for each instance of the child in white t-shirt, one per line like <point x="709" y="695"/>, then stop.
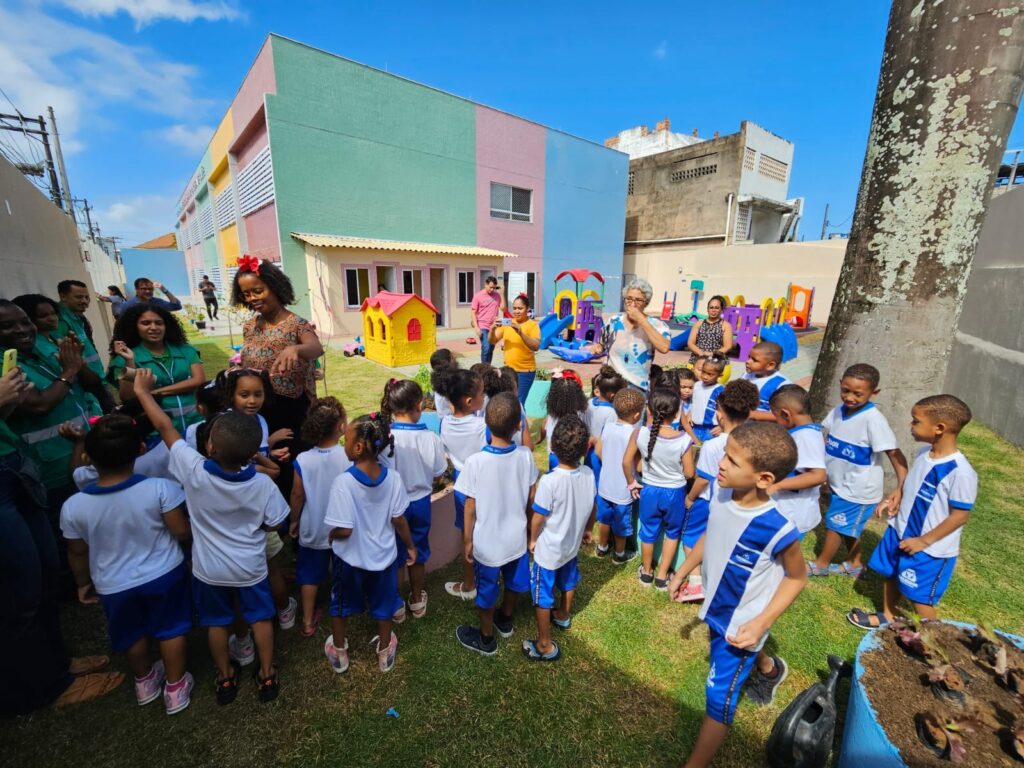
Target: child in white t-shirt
<point x="705" y="396"/>
<point x="123" y="532"/>
<point x="498" y="484"/>
<point x="563" y="517"/>
<point x="501" y="380"/>
<point x="152" y="462"/>
<point x="365" y="512"/>
<point x="442" y="362"/>
<point x="614" y="500"/>
<point x="796" y="496"/>
<point x="230" y="505"/>
<point x="419" y="458"/>
<point x="763" y="370"/>
<point x="600" y="412"/>
<point x="315" y="472"/>
<point x="565" y="398"/>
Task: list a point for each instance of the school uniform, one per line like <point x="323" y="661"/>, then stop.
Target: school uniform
<point x="366" y="562"/>
<point x="318" y="468"/>
<point x="695" y="519"/>
<point x="854" y="448"/>
<point x="600" y="413"/>
<point x="153" y="463"/>
<point x="766" y="386"/>
<point x="419" y="458"/>
<point x="442" y="406"/>
<point x="614" y="501"/>
<point x="228" y="511"/>
<point x="801" y="507"/>
<point x="550" y="422"/>
<point x="136" y="565"/>
<point x="741" y="572"/>
<point x="703" y="409"/>
<point x="684" y="411"/>
<point x="662" y="505"/>
<point x="462" y="437"/>
<point x="932" y="489"/>
<point x="191" y="435"/>
<point x="499" y="480"/>
<point x="565" y="498"/>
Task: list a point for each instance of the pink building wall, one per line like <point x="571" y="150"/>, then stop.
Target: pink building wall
<point x="250" y="146"/>
<point x="510" y="151"/>
<point x="249" y="99"/>
<point x="261" y="231"/>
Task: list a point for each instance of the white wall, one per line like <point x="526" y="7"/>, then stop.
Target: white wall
<point x="766" y="143"/>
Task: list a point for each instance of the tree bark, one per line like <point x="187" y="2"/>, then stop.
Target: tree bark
<point x="948" y="92"/>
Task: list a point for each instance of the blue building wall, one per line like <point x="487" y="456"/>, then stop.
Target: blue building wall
<point x="162" y="266"/>
<point x="584" y="213"/>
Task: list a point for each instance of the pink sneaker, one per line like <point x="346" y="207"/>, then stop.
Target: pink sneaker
<point x="180" y="696"/>
<point x="690" y="593"/>
<point x="148" y="688"/>
<point x="386" y="656"/>
<point x="336" y="657"/>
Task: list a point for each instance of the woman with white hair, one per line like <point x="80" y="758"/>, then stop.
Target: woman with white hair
<point x="631" y="338"/>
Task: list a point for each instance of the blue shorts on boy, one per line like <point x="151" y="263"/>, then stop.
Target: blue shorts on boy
<point x="417" y="515"/>
<point x="565" y="501"/>
<point x="618" y="517"/>
<point x="848" y="518"/>
<point x="854" y="448"/>
<point x="161" y="609"/>
<point x="922" y="579"/>
<point x="215" y="604"/>
<point x="703" y="409"/>
<point x="544" y="582"/>
<point x="515" y="575"/>
<point x="600" y="413"/>
<point x="311" y="565"/>
<point x="695" y="522"/>
<point x="418" y="458"/>
<point x="356" y="589"/>
<point x="729" y="669"/>
<point x="317" y="468"/>
<point x="614" y="501"/>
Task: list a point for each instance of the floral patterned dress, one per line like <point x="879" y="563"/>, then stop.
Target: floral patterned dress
<point x="262" y="344"/>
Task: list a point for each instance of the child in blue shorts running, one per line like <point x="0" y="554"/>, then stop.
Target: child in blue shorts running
<point x="917" y="554"/>
<point x="614" y="500"/>
<point x="858" y="436"/>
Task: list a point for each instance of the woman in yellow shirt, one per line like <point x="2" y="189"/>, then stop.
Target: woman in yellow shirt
<point x="522" y="339"/>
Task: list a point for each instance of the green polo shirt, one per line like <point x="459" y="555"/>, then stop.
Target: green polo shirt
<point x="173" y="366"/>
<point x="9" y="441"/>
<point x="70" y="321"/>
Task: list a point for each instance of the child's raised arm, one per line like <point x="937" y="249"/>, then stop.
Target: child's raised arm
<point x="161" y="422"/>
<point x="750" y="634"/>
<point x="76" y="435"/>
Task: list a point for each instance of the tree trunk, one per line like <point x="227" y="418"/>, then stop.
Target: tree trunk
<point x="948" y="92"/>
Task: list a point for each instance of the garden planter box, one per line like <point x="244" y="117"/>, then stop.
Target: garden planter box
<point x="865" y="742"/>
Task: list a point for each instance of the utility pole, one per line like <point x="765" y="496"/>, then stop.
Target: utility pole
<point x="54" y="186"/>
<point x="41" y="132"/>
<point x="824" y="224"/>
<point x="948" y="93"/>
<point x="87" y="208"/>
<point x="60" y="165"/>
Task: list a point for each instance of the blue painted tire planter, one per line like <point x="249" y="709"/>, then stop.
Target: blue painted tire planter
<point x="864" y="739"/>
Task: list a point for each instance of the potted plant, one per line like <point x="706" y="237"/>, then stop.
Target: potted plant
<point x="195" y="315"/>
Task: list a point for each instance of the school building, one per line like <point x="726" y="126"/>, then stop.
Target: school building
<point x="357" y="180"/>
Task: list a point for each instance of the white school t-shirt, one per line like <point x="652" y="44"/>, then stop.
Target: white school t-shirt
<point x="853" y="452"/>
<point x="550" y="422"/>
<point x="442" y="406"/>
<point x="565" y="497"/>
<point x="462" y="436"/>
<point x="703" y="404"/>
<point x="228" y="511"/>
<point x="708" y="460"/>
<point x="766" y="387"/>
<point x="665" y="469"/>
<point x="129" y="544"/>
<point x="318" y="468"/>
<point x="932" y="488"/>
<point x="499" y="480"/>
<point x="153" y="463"/>
<point x="612" y="485"/>
<point x="367" y="507"/>
<point x="419" y="458"/>
<point x="191" y="435"/>
<point x="741" y="568"/>
<point x="600" y="413"/>
<point x="802" y="506"/>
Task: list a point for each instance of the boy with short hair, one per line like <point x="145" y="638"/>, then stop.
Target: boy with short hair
<point x="918" y="552"/>
<point x="563" y="518"/>
<point x="738" y="400"/>
<point x="614" y="501"/>
<point x="752" y="566"/>
<point x="705" y="395"/>
<point x="797" y="495"/>
<point x="763" y="364"/>
<point x="498" y="483"/>
<point x="231" y="506"/>
<point x="858" y="435"/>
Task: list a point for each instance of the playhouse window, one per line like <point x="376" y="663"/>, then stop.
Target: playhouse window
<point x="511" y="203"/>
<point x="465" y="287"/>
<point x="357" y="286"/>
<point x="412" y="331"/>
<point x="383" y="332"/>
<point x="369" y="329"/>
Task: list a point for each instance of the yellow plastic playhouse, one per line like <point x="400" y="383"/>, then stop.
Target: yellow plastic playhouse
<point x="399" y="328"/>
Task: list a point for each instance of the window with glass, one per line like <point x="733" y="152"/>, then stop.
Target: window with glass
<point x="511" y="203"/>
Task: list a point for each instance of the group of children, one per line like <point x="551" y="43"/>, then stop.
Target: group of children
<point x="731" y="472"/>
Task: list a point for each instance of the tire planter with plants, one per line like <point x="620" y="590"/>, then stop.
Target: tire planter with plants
<point x="934" y="694"/>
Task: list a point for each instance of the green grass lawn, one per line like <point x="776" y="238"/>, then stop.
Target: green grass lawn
<point x="629" y="690"/>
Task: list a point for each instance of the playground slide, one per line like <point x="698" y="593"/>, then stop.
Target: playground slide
<point x="551" y="327"/>
<point x="680" y="340"/>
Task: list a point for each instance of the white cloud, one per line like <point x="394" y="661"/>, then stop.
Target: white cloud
<point x="191" y="139"/>
<point x="660" y="51"/>
<point x="137" y="219"/>
<point x="145" y="12"/>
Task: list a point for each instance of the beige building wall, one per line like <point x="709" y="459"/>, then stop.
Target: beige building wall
<point x="326" y="267"/>
<point x="755" y="271"/>
<point x="39" y="247"/>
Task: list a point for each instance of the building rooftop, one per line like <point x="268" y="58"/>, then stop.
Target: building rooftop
<point x="164" y="242"/>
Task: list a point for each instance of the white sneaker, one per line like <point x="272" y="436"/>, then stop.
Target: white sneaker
<point x="386" y="655"/>
<point x="336" y="657"/>
<point x="177" y="700"/>
<point x="150" y="687"/>
<point x="286" y="618"/>
<point x="419" y="610"/>
<point x="243" y="651"/>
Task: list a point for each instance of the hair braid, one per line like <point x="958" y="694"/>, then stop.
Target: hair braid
<point x="655" y="428"/>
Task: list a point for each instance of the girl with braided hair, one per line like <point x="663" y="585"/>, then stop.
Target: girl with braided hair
<point x="665" y="458"/>
<point x="365" y="512"/>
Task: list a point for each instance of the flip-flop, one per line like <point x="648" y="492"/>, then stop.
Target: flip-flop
<point x="310" y="629"/>
<point x="89" y="687"/>
<point x="85" y="665"/>
<point x="813" y="570"/>
<point x="531" y="652"/>
<point x="565" y="623"/>
<point x="844" y="569"/>
<point x="862" y="619"/>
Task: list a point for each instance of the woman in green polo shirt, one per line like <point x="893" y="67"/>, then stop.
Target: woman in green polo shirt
<point x="148" y="336"/>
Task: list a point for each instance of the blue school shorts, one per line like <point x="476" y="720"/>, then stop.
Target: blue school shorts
<point x="515" y="574"/>
<point x="417" y="515"/>
<point x="353" y="588"/>
<point x="552" y="461"/>
<point x="922" y="578"/>
<point x="661" y="508"/>
<point x="848" y="518"/>
<point x="703" y="431"/>
<point x="159" y="608"/>
<point x="460" y="503"/>
<point x="591" y="460"/>
<point x="544" y="582"/>
<point x="730" y="668"/>
<point x="695" y="522"/>
<point x="311" y="565"/>
<point x="619" y="517"/>
<point x="216" y="605"/>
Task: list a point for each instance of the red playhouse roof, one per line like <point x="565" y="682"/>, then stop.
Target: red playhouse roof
<point x="392" y="302"/>
<point x="579" y="275"/>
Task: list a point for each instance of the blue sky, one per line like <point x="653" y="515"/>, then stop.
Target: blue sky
<point x="139" y="85"/>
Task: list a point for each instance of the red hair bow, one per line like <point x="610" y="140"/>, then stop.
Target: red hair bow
<point x="249" y="263"/>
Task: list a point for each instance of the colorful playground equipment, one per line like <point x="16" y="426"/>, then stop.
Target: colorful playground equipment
<point x="799" y="302"/>
<point x="575" y="318"/>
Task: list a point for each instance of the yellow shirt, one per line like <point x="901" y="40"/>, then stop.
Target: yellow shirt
<point x="517" y="354"/>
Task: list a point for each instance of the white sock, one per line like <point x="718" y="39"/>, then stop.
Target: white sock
<point x="696" y="581"/>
